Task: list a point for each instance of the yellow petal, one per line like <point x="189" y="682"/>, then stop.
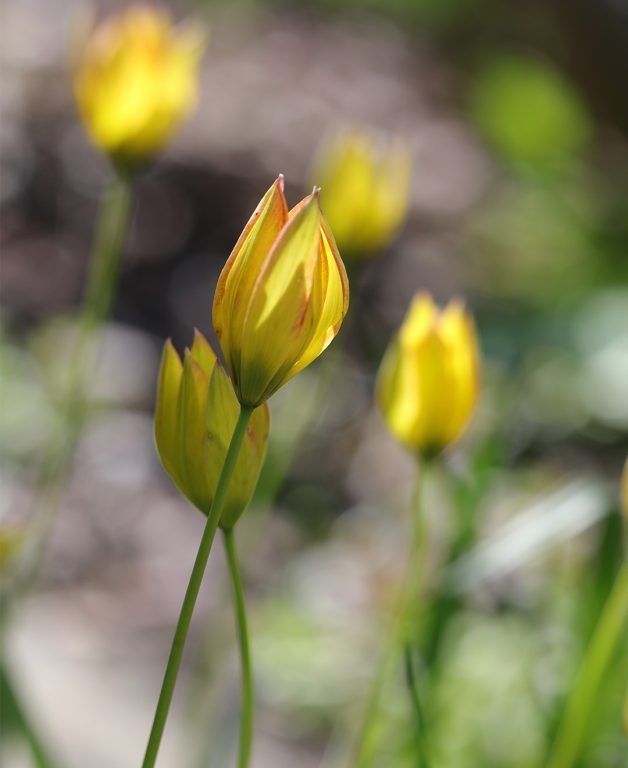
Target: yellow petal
<point x="278" y="326"/>
<point x="456" y="331"/>
<point x="166" y="411"/>
<point x="330" y="300"/>
<point x="202" y="352"/>
<point x="191" y="434"/>
<point x="238" y="277"/>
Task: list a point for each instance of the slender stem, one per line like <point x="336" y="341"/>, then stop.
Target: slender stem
<point x="246" y="724"/>
<point x="100" y="288"/>
<point x="415" y="697"/>
<point x="13" y="710"/>
<point x="403" y="621"/>
<point x="191" y="593"/>
<point x="583" y="697"/>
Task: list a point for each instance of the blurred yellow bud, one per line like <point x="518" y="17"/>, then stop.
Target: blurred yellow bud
<point x="365" y="190"/>
<point x="428" y="382"/>
<point x="195" y="416"/>
<point x="281" y="297"/>
<point x="12" y="539"/>
<point x="135" y="80"/>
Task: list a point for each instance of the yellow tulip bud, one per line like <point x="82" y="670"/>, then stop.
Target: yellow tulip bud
<point x="427" y="385"/>
<point x="194" y="420"/>
<point x="135" y="80"/>
<point x="365" y="190"/>
<point x="281" y="297"/>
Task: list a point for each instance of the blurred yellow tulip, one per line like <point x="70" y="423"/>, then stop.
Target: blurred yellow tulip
<point x="365" y="190"/>
<point x="428" y="382"/>
<point x="281" y="297"/>
<point x="195" y="416"/>
<point x="135" y="80"/>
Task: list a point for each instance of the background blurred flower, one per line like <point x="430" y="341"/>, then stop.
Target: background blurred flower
<point x="365" y="187"/>
<point x="194" y="420"/>
<point x="135" y="80"/>
<point x="281" y="297"/>
<point x="428" y="381"/>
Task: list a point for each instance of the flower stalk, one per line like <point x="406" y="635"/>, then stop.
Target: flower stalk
<point x="583" y="697"/>
<point x="404" y="620"/>
<point x="193" y="588"/>
<point x="115" y="211"/>
<point x="247" y="704"/>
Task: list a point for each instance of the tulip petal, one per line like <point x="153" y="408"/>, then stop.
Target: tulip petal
<point x="456" y="331"/>
<point x="237" y="279"/>
<point x="191" y="433"/>
<point x="166" y="411"/>
<point x="203" y="353"/>
<point x="331" y="292"/>
<point x="278" y="324"/>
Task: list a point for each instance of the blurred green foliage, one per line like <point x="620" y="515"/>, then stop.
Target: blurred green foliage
<point x="529" y="112"/>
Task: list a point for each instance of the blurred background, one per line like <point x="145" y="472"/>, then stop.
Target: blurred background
<point x="516" y="117"/>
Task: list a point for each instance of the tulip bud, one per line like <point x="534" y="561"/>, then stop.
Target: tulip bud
<point x="365" y="190"/>
<point x="135" y="80"/>
<point x="427" y="384"/>
<point x="281" y="297"/>
<point x="195" y="416"/>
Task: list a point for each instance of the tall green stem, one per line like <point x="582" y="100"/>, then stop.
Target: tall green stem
<point x="97" y="299"/>
<point x="246" y="721"/>
<point x="403" y="621"/>
<point x="191" y="593"/>
<point x="583" y="697"/>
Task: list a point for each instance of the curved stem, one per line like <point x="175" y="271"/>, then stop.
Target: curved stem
<point x="246" y="722"/>
<point x="403" y="618"/>
<point x="583" y="696"/>
<point x="191" y="593"/>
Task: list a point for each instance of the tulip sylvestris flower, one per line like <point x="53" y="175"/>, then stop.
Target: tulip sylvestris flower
<point x="428" y="382"/>
<point x="365" y="189"/>
<point x="135" y="80"/>
<point x="281" y="296"/>
<point x="194" y="420"/>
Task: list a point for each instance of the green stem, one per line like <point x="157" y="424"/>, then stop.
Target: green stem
<point x="404" y="619"/>
<point x="246" y="725"/>
<point x="14" y="712"/>
<point x="98" y="296"/>
<point x="100" y="288"/>
<point x="191" y="593"/>
<point x="583" y="697"/>
<point x="415" y="697"/>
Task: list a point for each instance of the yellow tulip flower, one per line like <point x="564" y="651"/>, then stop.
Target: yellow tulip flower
<point x="195" y="416"/>
<point x="135" y="80"/>
<point x="365" y="190"/>
<point x="281" y="297"/>
<point x="427" y="385"/>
